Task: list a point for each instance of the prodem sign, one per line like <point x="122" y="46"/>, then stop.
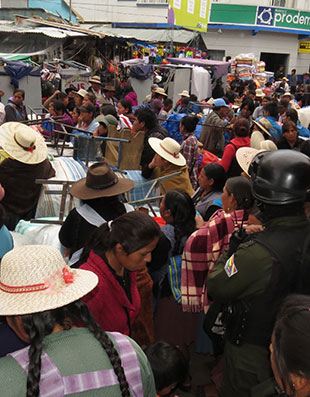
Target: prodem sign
<point x="271" y="17"/>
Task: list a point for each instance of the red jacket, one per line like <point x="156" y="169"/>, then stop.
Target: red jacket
<point x="230" y="150"/>
<point x="108" y="302"/>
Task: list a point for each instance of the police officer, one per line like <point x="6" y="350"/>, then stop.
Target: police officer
<point x="269" y="265"/>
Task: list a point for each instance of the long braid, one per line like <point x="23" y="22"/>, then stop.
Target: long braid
<point x="106" y="343"/>
<point x="36" y="329"/>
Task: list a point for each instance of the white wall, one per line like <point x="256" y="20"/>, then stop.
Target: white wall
<point x="235" y="42"/>
<point x="119" y="11"/>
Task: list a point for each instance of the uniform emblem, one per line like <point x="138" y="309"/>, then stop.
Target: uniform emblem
<point x="230" y="267"/>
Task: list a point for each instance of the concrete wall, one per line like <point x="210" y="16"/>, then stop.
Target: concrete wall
<point x="14" y="4"/>
<point x="234" y="42"/>
<point x="121" y="11"/>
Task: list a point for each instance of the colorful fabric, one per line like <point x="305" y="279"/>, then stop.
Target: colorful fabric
<point x="174" y="276"/>
<point x="124" y="122"/>
<point x="189" y="149"/>
<point x="200" y="254"/>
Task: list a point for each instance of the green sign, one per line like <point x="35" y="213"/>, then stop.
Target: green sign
<point x="271" y="17"/>
<point x="233" y="14"/>
<point x="191" y="14"/>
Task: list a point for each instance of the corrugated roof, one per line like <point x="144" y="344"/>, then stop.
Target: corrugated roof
<point x="150" y="35"/>
<point x="47" y="31"/>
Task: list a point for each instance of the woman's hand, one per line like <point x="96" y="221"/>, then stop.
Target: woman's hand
<point x="250" y="229"/>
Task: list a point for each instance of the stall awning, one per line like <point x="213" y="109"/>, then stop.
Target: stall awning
<point x="148" y="35"/>
<point x="221" y="67"/>
<point x="55" y="33"/>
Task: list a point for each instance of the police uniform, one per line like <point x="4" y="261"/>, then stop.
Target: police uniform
<point x="253" y="275"/>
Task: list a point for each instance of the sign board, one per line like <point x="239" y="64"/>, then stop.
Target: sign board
<point x="74" y="78"/>
<point x="191" y="14"/>
<point x="304" y="47"/>
<point x="272" y="17"/>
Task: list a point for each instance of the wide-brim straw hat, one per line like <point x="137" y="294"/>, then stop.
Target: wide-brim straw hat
<point x="259" y="93"/>
<point x="109" y="87"/>
<point x="35" y="278"/>
<point x="268" y="145"/>
<point x="81" y="92"/>
<point x="100" y="181"/>
<point x="22" y="143"/>
<point x="264" y="125"/>
<point x="168" y="149"/>
<point x="184" y="93"/>
<point x="95" y="79"/>
<point x="160" y="91"/>
<point x="245" y="156"/>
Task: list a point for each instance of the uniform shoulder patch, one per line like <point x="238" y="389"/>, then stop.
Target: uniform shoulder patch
<point x="230" y="267"/>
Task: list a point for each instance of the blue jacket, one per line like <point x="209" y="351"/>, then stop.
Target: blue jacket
<point x="276" y="130"/>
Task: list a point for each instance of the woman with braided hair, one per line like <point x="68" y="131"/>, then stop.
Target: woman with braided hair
<point x="40" y="297"/>
<point x="118" y="252"/>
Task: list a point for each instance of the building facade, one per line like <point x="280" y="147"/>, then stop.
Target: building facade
<point x="275" y="34"/>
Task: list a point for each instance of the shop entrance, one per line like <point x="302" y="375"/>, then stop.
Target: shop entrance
<point x="273" y="61"/>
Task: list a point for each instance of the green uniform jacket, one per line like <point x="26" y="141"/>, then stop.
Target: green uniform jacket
<point x="247" y="275"/>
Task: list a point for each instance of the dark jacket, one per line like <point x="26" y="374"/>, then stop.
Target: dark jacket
<point x="147" y="152"/>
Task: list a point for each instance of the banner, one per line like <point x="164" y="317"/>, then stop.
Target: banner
<point x="260" y="16"/>
<point x="191" y="14"/>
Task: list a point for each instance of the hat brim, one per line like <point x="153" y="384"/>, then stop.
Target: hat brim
<point x="39" y="301"/>
<point x="181" y="94"/>
<point x="8" y="143"/>
<point x="94" y="81"/>
<point x="155" y="145"/>
<point x="245" y="156"/>
<point x="81" y="191"/>
<point x="261" y="127"/>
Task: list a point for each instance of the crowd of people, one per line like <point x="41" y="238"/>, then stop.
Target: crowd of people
<point x="224" y="264"/>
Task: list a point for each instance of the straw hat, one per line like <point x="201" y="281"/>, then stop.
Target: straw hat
<point x="95" y="79"/>
<point x="160" y="91"/>
<point x="184" y="93"/>
<point x="168" y="149"/>
<point x="287" y="93"/>
<point x="259" y="93"/>
<point x="22" y="143"/>
<point x="264" y="125"/>
<point x="109" y="87"/>
<point x="245" y="156"/>
<point x="268" y="145"/>
<point x="100" y="181"/>
<point x="81" y="92"/>
<point x="35" y="278"/>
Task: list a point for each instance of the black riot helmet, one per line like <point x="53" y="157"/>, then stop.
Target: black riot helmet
<point x="280" y="177"/>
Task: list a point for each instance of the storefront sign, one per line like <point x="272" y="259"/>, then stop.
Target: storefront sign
<point x="304" y="47"/>
<point x="260" y="16"/>
<point x="191" y="14"/>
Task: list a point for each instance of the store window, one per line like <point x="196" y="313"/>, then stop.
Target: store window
<point x="283" y="3"/>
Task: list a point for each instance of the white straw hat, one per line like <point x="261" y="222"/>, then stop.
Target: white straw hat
<point x="160" y="91"/>
<point x="168" y="149"/>
<point x="81" y="92"/>
<point x="245" y="156"/>
<point x="35" y="278"/>
<point x="184" y="93"/>
<point x="22" y="143"/>
<point x="95" y="79"/>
